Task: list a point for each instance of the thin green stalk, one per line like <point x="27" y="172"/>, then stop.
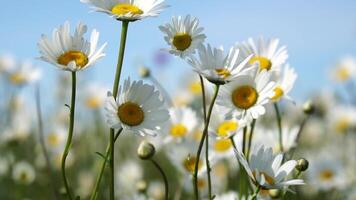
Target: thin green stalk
<point x="42" y="142"/>
<point x="125" y="25"/>
<point x="205" y="132"/>
<point x="250" y="139"/>
<point x="244" y="140"/>
<point x="166" y="191"/>
<point x="254" y="196"/>
<point x="94" y="194"/>
<point x="70" y="136"/>
<point x="207" y="138"/>
<point x="279" y="123"/>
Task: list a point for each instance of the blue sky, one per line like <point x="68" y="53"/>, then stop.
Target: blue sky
<point x="317" y="32"/>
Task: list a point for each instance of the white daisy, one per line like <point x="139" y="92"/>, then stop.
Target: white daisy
<point x="71" y="52"/>
<point x="23" y="73"/>
<point x="266" y="54"/>
<point x="227" y="196"/>
<point x="184" y="35"/>
<point x="247" y="95"/>
<point x="217" y="67"/>
<point x="23" y="173"/>
<point x="138" y="109"/>
<point x="7" y="62"/>
<point x="128" y="10"/>
<point x="183" y="121"/>
<point x="341" y="119"/>
<point x="94" y="96"/>
<point x="284" y="84"/>
<point x="266" y="170"/>
<point x="55" y="139"/>
<point x="129" y="173"/>
<point x="344" y="69"/>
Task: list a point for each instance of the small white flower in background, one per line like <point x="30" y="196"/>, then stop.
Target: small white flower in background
<point x="23" y="73"/>
<point x="217" y="66"/>
<point x="266" y="54"/>
<point x="246" y="96"/>
<point x="227" y="196"/>
<point x="341" y="119"/>
<point x="182" y="123"/>
<point x="129" y="10"/>
<point x="266" y="170"/>
<point x="129" y="173"/>
<point x="138" y="109"/>
<point x="284" y="84"/>
<point x="94" y="96"/>
<point x="184" y="35"/>
<point x="156" y="190"/>
<point x="55" y="139"/>
<point x="85" y="184"/>
<point x="23" y="173"/>
<point x="7" y="63"/>
<point x="71" y="52"/>
<point x="344" y="70"/>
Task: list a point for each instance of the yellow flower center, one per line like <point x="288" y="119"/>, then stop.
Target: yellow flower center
<point x="244" y="97"/>
<point x="342" y="74"/>
<point x="201" y="183"/>
<point x="17" y="78"/>
<point x="278" y="93"/>
<point x="53" y="139"/>
<point x="222" y="145"/>
<point x="195" y="87"/>
<point x="78" y="57"/>
<point x="270" y="180"/>
<point x="93" y="102"/>
<point x="189" y="164"/>
<point x="225" y="128"/>
<point x="23" y="177"/>
<point x="342" y="124"/>
<point x="178" y="130"/>
<point x="326" y="175"/>
<point x="263" y="62"/>
<point x="125" y="8"/>
<point x="182" y="41"/>
<point x="130" y="114"/>
<point x="223" y="72"/>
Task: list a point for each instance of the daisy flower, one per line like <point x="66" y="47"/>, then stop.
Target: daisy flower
<point x="184" y="35"/>
<point x="265" y="53"/>
<point x="344" y="69"/>
<point x="341" y="119"/>
<point x="138" y="109"/>
<point x="266" y="170"/>
<point x="23" y="73"/>
<point x="217" y="67"/>
<point x="284" y="84"/>
<point x="247" y="95"/>
<point x="7" y="62"/>
<point x="23" y="173"/>
<point x="56" y="138"/>
<point x="128" y="10"/>
<point x="71" y="52"/>
<point x="94" y="96"/>
<point x="183" y="121"/>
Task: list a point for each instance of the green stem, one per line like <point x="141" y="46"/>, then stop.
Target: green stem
<point x="205" y="132"/>
<point x="250" y="139"/>
<point x="125" y="25"/>
<point x="94" y="194"/>
<point x="166" y="191"/>
<point x="207" y="139"/>
<point x="70" y="136"/>
<point x="254" y="197"/>
<point x="279" y="123"/>
<point x="244" y="140"/>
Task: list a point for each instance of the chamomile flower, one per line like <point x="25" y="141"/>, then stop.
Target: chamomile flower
<point x="247" y="95"/>
<point x="342" y="119"/>
<point x="129" y="174"/>
<point x="94" y="96"/>
<point x="227" y="196"/>
<point x="266" y="170"/>
<point x="55" y="139"/>
<point x="184" y="35"/>
<point x="217" y="66"/>
<point x="266" y="54"/>
<point x="138" y="109"/>
<point x="284" y="84"/>
<point x="71" y="52"/>
<point x="23" y="73"/>
<point x="183" y="121"/>
<point x="23" y="173"/>
<point x="344" y="69"/>
<point x="128" y="10"/>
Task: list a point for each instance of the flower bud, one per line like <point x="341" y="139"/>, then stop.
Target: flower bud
<point x="146" y="150"/>
<point x="308" y="107"/>
<point x="144" y="72"/>
<point x="302" y="165"/>
<point x="275" y="193"/>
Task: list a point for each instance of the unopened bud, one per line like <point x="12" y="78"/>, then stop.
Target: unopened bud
<point x="141" y="186"/>
<point x="308" y="107"/>
<point x="275" y="193"/>
<point x="146" y="150"/>
<point x="144" y="72"/>
<point x="302" y="165"/>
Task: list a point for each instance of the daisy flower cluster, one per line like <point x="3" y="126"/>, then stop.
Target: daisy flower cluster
<point x="230" y="130"/>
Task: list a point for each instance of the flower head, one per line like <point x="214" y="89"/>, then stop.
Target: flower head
<point x="23" y="73"/>
<point x="71" y="52"/>
<point x="23" y="173"/>
<point x="284" y="84"/>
